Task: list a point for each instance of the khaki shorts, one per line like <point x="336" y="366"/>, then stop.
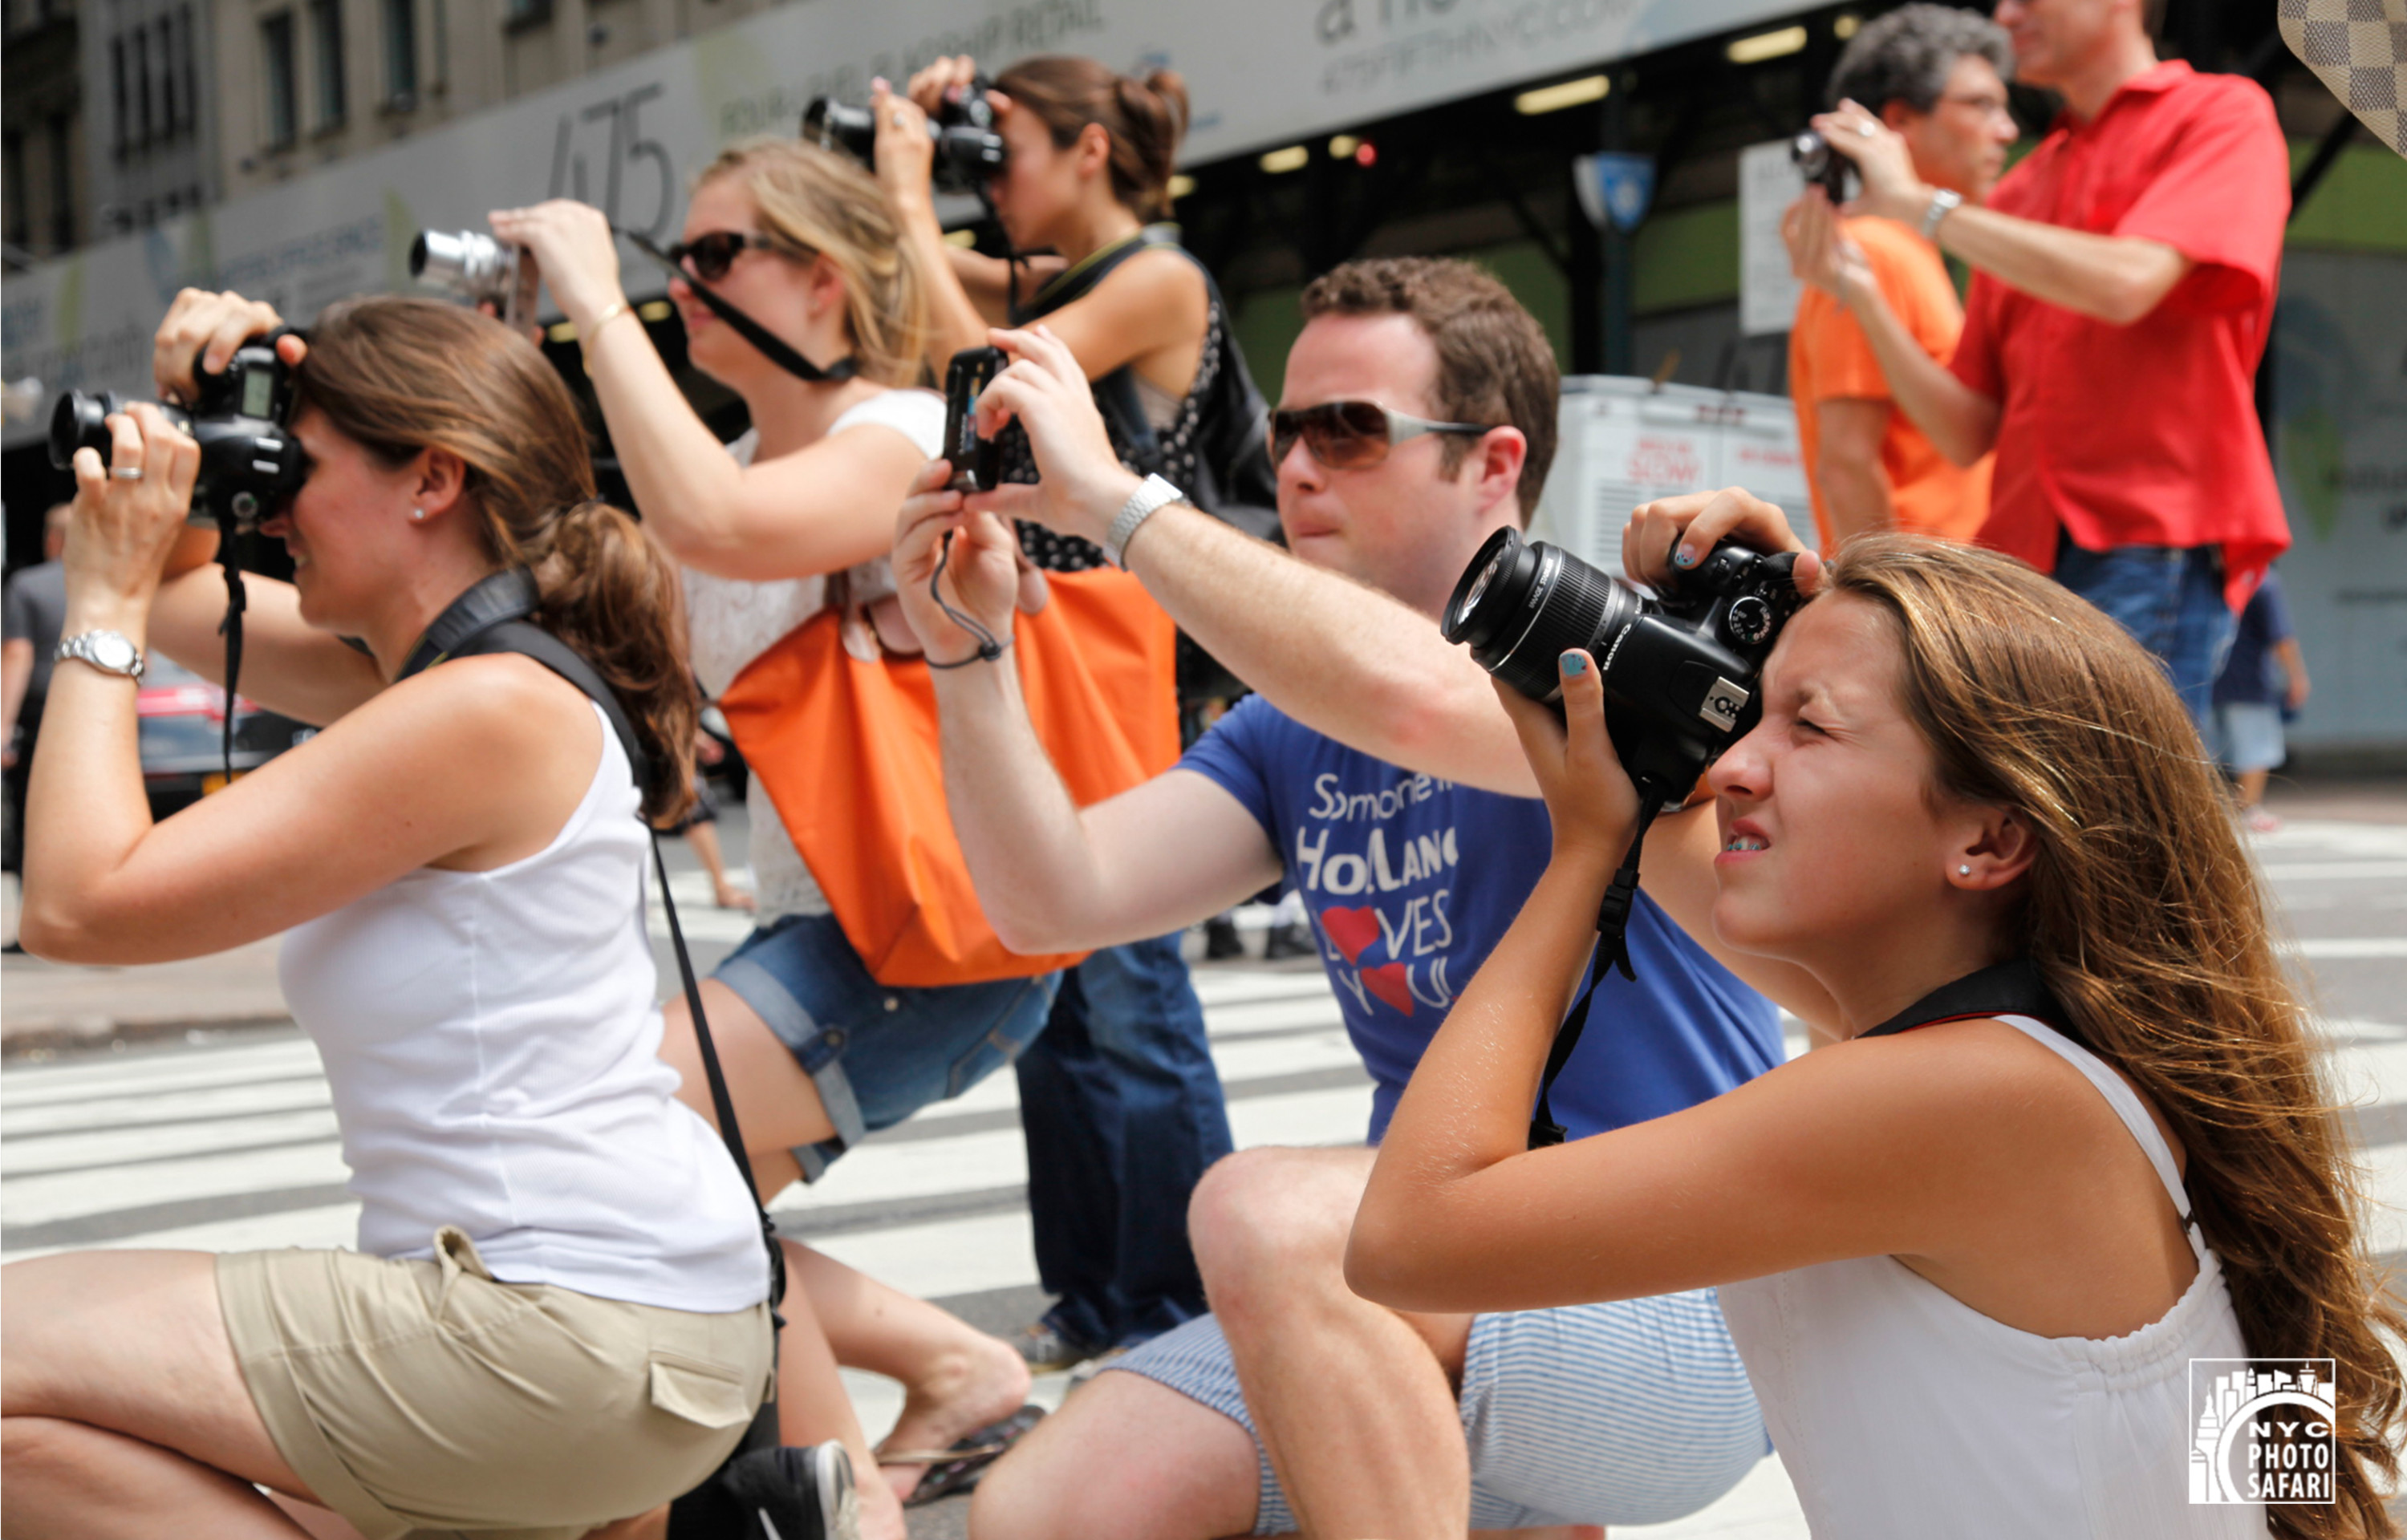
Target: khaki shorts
<point x="424" y="1398"/>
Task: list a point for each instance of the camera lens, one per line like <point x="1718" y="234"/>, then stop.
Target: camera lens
<point x="79" y="421"/>
<point x="1520" y="606"/>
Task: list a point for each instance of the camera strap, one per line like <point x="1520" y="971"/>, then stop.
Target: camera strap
<point x="772" y="348"/>
<point x="2010" y="988"/>
<point x="230" y="536"/>
<point x="1611" y="952"/>
<point x="491" y="617"/>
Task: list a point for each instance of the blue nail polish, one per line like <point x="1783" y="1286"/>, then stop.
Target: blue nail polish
<point x="1575" y="662"/>
<point x="1684" y="557"/>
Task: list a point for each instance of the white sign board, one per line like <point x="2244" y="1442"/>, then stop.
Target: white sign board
<point x="1768" y="183"/>
<point x="1625" y="442"/>
<point x="1260" y="73"/>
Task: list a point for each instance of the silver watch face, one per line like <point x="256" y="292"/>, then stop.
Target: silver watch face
<point x="112" y="651"/>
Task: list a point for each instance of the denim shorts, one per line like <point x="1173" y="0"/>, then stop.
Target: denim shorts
<point x="877" y="1053"/>
<point x="2248" y="736"/>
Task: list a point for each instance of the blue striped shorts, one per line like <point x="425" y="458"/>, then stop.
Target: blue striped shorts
<point x="1636" y="1411"/>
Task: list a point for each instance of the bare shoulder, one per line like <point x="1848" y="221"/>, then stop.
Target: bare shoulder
<point x="1974" y="1082"/>
<point x="1155" y="276"/>
<point x="494" y="708"/>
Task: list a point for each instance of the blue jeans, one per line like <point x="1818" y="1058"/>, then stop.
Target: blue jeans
<point x="2171" y="598"/>
<point x="1121" y="1108"/>
<point x="877" y="1053"/>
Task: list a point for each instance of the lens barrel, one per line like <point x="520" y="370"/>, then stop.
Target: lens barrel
<point x="832" y="124"/>
<point x="463" y="262"/>
<point x="1519" y="605"/>
<point x="80" y="421"/>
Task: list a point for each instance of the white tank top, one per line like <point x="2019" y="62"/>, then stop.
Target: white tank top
<point x="1902" y="1413"/>
<point x="493" y="1050"/>
<point x="731" y="622"/>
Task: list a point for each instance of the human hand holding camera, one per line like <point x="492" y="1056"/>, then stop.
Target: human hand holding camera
<point x="1589" y="798"/>
<point x="1670" y="536"/>
<point x="1820" y="253"/>
<point x="206" y="328"/>
<point x="1891" y="191"/>
<point x="1082" y="484"/>
<point x="904" y="158"/>
<point x="981" y="578"/>
<point x="571" y="246"/>
<point x="129" y="515"/>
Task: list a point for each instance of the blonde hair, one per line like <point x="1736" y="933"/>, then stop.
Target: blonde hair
<point x="2144" y="916"/>
<point x="815" y="202"/>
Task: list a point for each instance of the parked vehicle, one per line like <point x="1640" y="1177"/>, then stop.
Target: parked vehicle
<point x="182" y="718"/>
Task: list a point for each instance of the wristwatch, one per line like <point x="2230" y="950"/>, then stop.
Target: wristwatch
<point x="110" y="652"/>
<point x="1152" y="495"/>
<point x="1942" y="203"/>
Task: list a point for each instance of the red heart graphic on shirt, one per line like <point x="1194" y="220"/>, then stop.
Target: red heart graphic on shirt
<point x="1351" y="930"/>
<point x="1392" y="983"/>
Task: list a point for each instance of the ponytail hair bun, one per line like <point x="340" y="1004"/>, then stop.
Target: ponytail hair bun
<point x="1145" y="117"/>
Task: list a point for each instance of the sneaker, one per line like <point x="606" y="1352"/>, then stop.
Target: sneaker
<point x="2261" y="822"/>
<point x="1293" y="940"/>
<point x="1222" y="941"/>
<point x="1047" y="1349"/>
<point x="791" y="1493"/>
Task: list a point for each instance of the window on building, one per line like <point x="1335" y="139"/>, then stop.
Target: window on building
<point x="283" y="90"/>
<point x="401" y="52"/>
<point x="326" y="29"/>
<point x="139" y="80"/>
<point x="171" y="116"/>
<point x="525" y="13"/>
<point x="20" y="222"/>
<point x="121" y="125"/>
<point x="192" y="70"/>
<point x="62" y="181"/>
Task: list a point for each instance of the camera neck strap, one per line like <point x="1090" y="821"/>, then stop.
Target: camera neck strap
<point x="2010" y="988"/>
<point x="1611" y="953"/>
<point x="493" y="617"/>
<point x="771" y="346"/>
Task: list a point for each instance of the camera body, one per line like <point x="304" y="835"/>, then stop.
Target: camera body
<point x="240" y="417"/>
<point x="1821" y="165"/>
<point x="968" y="148"/>
<point x="1679" y="668"/>
<point x="479" y="269"/>
<point x="977" y="463"/>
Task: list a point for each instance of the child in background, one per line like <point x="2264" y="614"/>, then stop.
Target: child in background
<point x="2263" y="682"/>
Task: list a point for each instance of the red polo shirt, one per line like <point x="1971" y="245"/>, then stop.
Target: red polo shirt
<point x="2144" y="434"/>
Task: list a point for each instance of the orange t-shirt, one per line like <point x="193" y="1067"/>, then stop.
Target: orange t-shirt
<point x="1828" y="359"/>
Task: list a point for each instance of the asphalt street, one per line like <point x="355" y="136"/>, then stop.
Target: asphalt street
<point x="207" y="1134"/>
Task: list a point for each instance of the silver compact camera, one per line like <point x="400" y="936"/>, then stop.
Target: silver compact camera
<point x="479" y="269"/>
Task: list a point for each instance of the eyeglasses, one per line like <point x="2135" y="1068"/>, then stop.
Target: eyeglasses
<point x="1348" y="435"/>
<point x="709" y="257"/>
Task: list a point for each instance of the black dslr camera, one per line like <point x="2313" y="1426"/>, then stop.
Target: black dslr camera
<point x="240" y="418"/>
<point x="1679" y="669"/>
<point x="977" y="463"/>
<point x="968" y="150"/>
<point x="1821" y="165"/>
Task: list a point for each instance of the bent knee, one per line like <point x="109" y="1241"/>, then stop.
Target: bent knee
<point x="1125" y="1456"/>
<point x="1266" y="1212"/>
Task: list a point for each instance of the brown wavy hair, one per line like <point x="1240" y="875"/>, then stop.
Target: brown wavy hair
<point x="2147" y="919"/>
<point x="1144" y="117"/>
<point x="398" y="375"/>
<point x="815" y="202"/>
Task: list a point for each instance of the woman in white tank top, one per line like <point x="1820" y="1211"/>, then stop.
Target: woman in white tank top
<point x="556" y="1320"/>
<point x="1969" y="1263"/>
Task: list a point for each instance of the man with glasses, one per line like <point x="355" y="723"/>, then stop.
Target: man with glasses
<point x="1937" y="76"/>
<point x="2124" y="275"/>
<point x="1418" y="417"/>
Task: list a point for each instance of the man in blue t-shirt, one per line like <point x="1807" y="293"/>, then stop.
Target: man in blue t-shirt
<point x="1418" y="417"/>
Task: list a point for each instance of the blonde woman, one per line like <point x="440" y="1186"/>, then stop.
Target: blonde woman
<point x="819" y="1054"/>
<point x="1968" y="1250"/>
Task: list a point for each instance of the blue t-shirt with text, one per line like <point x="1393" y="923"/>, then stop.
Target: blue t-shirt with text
<point x="1412" y="880"/>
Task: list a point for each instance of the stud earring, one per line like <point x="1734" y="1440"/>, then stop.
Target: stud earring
<point x="1963" y="871"/>
<point x="418" y="516"/>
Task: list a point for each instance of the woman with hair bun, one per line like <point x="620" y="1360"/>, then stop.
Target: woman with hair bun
<point x="556" y="1322"/>
<point x="1089" y="153"/>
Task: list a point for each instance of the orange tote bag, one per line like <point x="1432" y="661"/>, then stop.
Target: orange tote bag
<point x="846" y="750"/>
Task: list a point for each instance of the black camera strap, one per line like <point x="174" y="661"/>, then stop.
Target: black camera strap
<point x="1611" y="952"/>
<point x="2010" y="988"/>
<point x="491" y="617"/>
<point x="230" y="538"/>
<point x="772" y="348"/>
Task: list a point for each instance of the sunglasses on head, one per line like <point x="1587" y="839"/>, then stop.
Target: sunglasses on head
<point x="1346" y="435"/>
<point x="709" y="257"/>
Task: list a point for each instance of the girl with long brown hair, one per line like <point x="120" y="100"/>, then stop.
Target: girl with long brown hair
<point x="1967" y="1261"/>
<point x="556" y="1320"/>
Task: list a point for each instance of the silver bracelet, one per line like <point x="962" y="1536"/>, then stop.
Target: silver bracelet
<point x="1151" y="495"/>
<point x="1942" y="203"/>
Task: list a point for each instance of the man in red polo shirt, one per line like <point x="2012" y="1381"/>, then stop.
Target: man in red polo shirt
<point x="2123" y="279"/>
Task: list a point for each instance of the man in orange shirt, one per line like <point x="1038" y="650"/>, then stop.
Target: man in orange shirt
<point x="1937" y="76"/>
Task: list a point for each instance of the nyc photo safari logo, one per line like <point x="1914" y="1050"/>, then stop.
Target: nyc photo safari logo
<point x="2264" y="1429"/>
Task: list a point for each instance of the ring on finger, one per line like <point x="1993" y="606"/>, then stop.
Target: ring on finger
<point x="1864" y="129"/>
<point x="127" y="473"/>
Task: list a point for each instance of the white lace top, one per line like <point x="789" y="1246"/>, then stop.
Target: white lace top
<point x="731" y="622"/>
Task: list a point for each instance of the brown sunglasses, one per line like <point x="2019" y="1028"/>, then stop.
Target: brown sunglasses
<point x="1348" y="435"/>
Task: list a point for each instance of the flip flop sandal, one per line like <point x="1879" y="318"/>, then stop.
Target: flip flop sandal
<point x="957" y="1469"/>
